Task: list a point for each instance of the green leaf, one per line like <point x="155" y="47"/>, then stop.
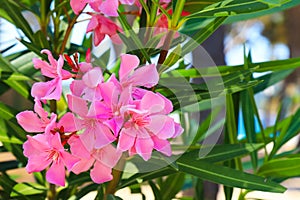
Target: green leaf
<point x="155" y="190"/>
<point x="201" y="35"/>
<point x="24" y="189"/>
<point x="281" y="168"/>
<point x="227" y="176"/>
<point x="234" y="7"/>
<point x="278" y="65"/>
<point x="6" y="112"/>
<point x="291" y="129"/>
<point x="269" y="11"/>
<point x="172" y="185"/>
<point x="132" y="37"/>
<point x="220" y="153"/>
<point x="271" y="79"/>
<point x="15" y="14"/>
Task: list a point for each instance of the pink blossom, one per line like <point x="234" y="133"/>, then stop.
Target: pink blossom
<point x="102" y="26"/>
<point x="102" y="160"/>
<point x="46" y="150"/>
<point x="52" y="69"/>
<point x="148" y="127"/>
<point x="96" y="134"/>
<point x="130" y="75"/>
<point x="51" y="89"/>
<point x="35" y="121"/>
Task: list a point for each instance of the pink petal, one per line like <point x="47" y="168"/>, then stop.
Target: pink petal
<point x="77" y="87"/>
<point x="93" y="23"/>
<point x="101" y="173"/>
<point x="98" y="37"/>
<point x="95" y="5"/>
<point x="127" y="2"/>
<point x="47" y="90"/>
<point x="35" y="146"/>
<point x="103" y="136"/>
<point x="68" y="122"/>
<point x="128" y="64"/>
<point x="77" y="148"/>
<point x="56" y="174"/>
<point x="83" y="165"/>
<point x="168" y="104"/>
<point x="93" y="77"/>
<point x="146" y="76"/>
<point x="68" y="159"/>
<point x="92" y="94"/>
<point x="55" y="141"/>
<point x="109" y="93"/>
<point x="110" y="7"/>
<point x="162" y="146"/>
<point x="144" y="147"/>
<point x="30" y="122"/>
<point x="37" y="164"/>
<point x="126" y="141"/>
<point x="40" y="111"/>
<point x="162" y="126"/>
<point x="178" y="130"/>
<point x="77" y="5"/>
<point x="108" y="155"/>
<point x="46" y="69"/>
<point x="52" y="61"/>
<point x="77" y="105"/>
<point x="152" y="102"/>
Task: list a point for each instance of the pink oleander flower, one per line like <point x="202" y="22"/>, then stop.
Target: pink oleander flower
<point x="51" y="89"/>
<point x="107" y="7"/>
<point x="102" y="26"/>
<point x="35" y="122"/>
<point x="102" y="160"/>
<point x="148" y="127"/>
<point x="95" y="133"/>
<point x="47" y="150"/>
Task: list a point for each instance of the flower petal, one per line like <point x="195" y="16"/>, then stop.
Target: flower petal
<point x="162" y="126"/>
<point x="47" y="90"/>
<point x="144" y="147"/>
<point x="110" y="8"/>
<point x="56" y="174"/>
<point x="37" y="164"/>
<point x="93" y="77"/>
<point x="126" y="141"/>
<point x="77" y="105"/>
<point x="128" y="64"/>
<point x="68" y="122"/>
<point x="152" y="102"/>
<point x="162" y="146"/>
<point x="101" y="173"/>
<point x="30" y="122"/>
<point x="146" y="76"/>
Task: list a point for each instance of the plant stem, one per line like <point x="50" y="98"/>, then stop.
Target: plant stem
<point x="67" y="35"/>
<point x="165" y="48"/>
<point x="111" y="187"/>
<point x="52" y="192"/>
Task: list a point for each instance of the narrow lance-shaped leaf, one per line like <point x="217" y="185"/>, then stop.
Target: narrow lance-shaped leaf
<point x="227" y="176"/>
<point x="280" y="168"/>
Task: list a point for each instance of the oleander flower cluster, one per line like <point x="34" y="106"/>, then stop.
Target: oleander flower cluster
<point x="105" y="119"/>
<point x="101" y="22"/>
